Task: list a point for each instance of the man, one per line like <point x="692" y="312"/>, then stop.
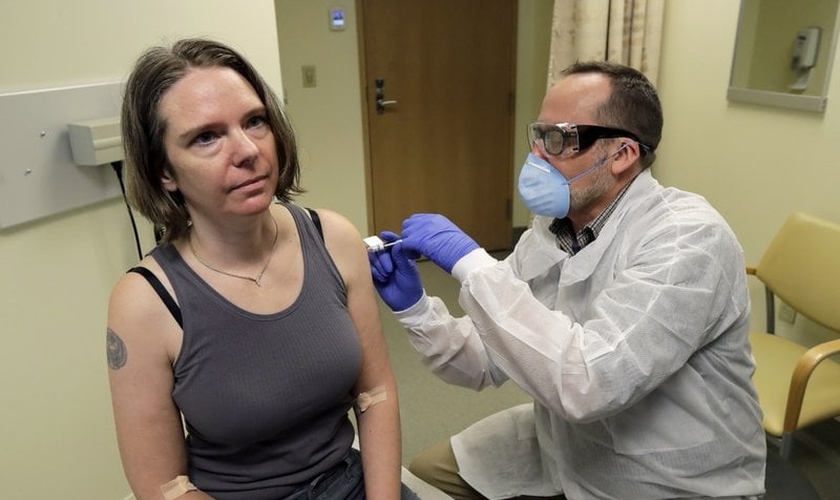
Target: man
<point x="623" y="311"/>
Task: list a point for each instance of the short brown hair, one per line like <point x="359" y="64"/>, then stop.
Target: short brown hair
<point x="633" y="104"/>
<point x="143" y="128"/>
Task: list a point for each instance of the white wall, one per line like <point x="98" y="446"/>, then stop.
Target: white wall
<point x="56" y="429"/>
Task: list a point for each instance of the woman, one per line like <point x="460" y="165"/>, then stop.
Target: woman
<point x="264" y="329"/>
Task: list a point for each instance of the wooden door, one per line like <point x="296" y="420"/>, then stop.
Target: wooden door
<point x="445" y="143"/>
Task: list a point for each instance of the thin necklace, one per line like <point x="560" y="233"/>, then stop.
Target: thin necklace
<point x="257" y="280"/>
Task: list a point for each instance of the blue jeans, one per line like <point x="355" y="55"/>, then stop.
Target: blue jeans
<point x="345" y="481"/>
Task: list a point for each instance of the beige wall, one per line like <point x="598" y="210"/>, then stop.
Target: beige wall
<point x="755" y="164"/>
<point x="533" y="36"/>
<point x="327" y="117"/>
<point x="56" y="430"/>
<point x="775" y="25"/>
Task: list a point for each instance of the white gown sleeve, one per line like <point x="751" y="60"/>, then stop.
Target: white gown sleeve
<point x="450" y="347"/>
<point x="654" y="313"/>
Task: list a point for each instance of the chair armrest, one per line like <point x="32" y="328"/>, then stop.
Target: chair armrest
<point x="799" y="380"/>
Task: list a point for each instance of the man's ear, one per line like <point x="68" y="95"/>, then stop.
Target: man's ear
<point x="626" y="158"/>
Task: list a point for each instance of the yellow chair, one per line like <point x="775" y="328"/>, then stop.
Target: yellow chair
<point x="799" y="386"/>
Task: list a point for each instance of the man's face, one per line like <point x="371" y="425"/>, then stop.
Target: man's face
<point x="575" y="99"/>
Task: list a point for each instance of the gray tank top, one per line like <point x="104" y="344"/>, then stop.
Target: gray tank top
<point x="265" y="397"/>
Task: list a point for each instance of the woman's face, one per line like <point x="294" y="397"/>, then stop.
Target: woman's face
<point x="219" y="144"/>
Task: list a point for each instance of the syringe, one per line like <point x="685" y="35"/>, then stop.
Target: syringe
<point x="376" y="244"/>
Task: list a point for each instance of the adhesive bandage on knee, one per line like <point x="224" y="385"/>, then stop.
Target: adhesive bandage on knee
<point x="371" y="397"/>
<point x="177" y="487"/>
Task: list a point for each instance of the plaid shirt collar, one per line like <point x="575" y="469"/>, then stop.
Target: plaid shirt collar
<point x="573" y="243"/>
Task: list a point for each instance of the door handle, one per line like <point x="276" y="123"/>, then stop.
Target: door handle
<point x="380" y="96"/>
<point x="381" y="103"/>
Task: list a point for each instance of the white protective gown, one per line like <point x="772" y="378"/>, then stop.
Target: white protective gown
<point x="635" y="351"/>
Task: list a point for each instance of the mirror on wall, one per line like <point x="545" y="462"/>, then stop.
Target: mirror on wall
<point x="783" y="53"/>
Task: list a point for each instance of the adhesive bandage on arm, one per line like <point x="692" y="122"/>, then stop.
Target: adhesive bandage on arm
<point x="177" y="487"/>
<point x="371" y="397"/>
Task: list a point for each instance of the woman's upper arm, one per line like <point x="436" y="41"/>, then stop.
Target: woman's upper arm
<point x="345" y="245"/>
<point x="140" y="344"/>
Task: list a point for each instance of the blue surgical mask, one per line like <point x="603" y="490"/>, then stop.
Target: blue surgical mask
<point x="543" y="188"/>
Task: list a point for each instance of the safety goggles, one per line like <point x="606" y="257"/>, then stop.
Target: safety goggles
<point x="564" y="139"/>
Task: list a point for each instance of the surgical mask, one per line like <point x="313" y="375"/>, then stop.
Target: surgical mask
<point x="544" y="190"/>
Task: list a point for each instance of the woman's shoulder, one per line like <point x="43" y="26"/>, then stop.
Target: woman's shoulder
<point x="337" y="226"/>
<point x="344" y="243"/>
<point x="134" y="301"/>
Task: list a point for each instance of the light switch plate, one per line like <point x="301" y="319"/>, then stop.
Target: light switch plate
<point x="310" y="79"/>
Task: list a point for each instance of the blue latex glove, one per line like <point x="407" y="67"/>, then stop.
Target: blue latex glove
<point x="436" y="237"/>
<point x="395" y="275"/>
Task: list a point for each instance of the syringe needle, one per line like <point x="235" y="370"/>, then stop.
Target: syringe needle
<point x="376" y="244"/>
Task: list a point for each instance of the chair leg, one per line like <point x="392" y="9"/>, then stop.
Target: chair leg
<point x="786" y="445"/>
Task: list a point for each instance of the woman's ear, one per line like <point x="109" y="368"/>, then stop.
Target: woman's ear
<point x="167" y="180"/>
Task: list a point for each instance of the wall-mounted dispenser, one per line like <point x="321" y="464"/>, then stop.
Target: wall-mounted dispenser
<point x="804" y="58"/>
<point x="784" y="53"/>
<point x="96" y="142"/>
<point x="805" y="49"/>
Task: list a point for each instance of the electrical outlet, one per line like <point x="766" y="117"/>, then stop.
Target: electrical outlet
<point x="309" y="77"/>
<point x="787" y="314"/>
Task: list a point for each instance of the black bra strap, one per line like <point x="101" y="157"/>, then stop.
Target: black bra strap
<point x="317" y="221"/>
<point x="161" y="291"/>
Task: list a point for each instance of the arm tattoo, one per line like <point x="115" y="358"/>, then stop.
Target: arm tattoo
<point x="117" y="353"/>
